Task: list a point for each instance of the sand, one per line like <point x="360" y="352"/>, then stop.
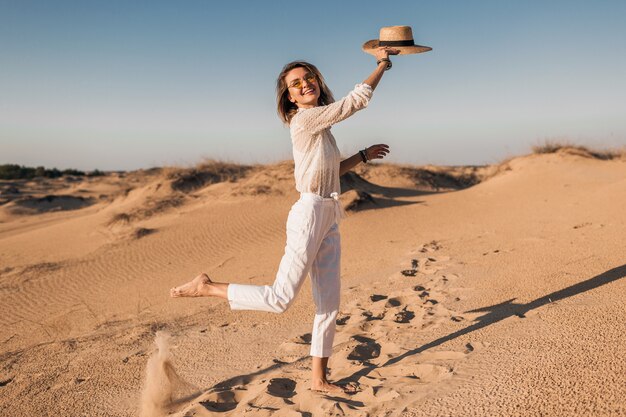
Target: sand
<point x="466" y="291"/>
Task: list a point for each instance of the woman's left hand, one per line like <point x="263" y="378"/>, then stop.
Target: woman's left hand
<point x="383" y="52"/>
<point x="377" y="151"/>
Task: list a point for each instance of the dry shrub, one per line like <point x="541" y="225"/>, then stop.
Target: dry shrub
<point x="141" y="232"/>
<point x="156" y="206"/>
<point x="119" y="218"/>
<point x="48" y="203"/>
<point x="151" y="208"/>
<point x="205" y="173"/>
<point x="567" y="147"/>
<point x="444" y="178"/>
<point x="256" y="190"/>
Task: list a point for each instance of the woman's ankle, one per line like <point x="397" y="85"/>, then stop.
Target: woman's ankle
<point x="218" y="289"/>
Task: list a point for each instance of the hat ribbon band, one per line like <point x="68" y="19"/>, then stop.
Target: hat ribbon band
<point x="396" y="43"/>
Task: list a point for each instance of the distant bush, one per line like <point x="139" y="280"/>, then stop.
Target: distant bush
<point x="74" y="172"/>
<point x="17" y="172"/>
<point x="52" y="173"/>
<point x="95" y="173"/>
<point x="40" y="172"/>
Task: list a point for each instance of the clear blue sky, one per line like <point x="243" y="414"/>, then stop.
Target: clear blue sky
<point x="133" y="84"/>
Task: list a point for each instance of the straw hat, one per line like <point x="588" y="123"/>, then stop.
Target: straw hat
<point x="397" y="37"/>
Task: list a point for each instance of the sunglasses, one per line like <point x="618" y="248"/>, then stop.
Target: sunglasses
<point x="297" y="83"/>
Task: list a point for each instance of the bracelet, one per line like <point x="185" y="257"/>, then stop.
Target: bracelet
<point x="387" y="60"/>
<point x="363" y="156"/>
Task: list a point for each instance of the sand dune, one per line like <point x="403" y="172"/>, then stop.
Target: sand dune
<point x="466" y="291"/>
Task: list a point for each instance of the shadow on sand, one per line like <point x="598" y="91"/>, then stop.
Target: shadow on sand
<point x="499" y="312"/>
<point x="494" y="314"/>
<point x="353" y="181"/>
<point x="371" y="196"/>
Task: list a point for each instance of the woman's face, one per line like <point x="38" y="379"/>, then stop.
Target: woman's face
<point x="303" y="87"/>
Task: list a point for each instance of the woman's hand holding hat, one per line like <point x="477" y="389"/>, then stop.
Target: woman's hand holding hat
<point x="384" y="52"/>
<point x="382" y="55"/>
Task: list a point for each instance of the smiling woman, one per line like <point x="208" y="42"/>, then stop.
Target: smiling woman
<point x="306" y="104"/>
<point x="305" y="88"/>
<point x="287" y="89"/>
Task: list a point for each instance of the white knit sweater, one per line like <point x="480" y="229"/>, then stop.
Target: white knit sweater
<point x="315" y="151"/>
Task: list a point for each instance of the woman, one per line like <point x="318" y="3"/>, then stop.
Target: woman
<point x="313" y="245"/>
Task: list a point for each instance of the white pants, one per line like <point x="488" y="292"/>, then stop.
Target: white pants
<point x="313" y="246"/>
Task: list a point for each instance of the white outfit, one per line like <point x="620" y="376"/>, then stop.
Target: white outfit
<point x="314" y="148"/>
<point x="313" y="241"/>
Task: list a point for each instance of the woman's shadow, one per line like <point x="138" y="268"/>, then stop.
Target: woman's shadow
<point x="495" y="313"/>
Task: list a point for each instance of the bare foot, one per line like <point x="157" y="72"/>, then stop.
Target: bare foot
<point x="328" y="388"/>
<point x="200" y="286"/>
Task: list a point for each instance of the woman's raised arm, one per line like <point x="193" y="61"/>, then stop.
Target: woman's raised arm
<point x="381" y="54"/>
<point x="319" y="118"/>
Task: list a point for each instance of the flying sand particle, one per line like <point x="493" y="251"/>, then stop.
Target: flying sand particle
<point x="162" y="381"/>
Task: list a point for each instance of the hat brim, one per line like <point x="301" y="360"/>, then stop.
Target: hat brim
<point x="371" y="46"/>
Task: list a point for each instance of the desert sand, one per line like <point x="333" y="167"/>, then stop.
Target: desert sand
<point x="466" y="291"/>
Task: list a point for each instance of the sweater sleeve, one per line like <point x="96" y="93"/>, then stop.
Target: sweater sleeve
<point x="319" y="118"/>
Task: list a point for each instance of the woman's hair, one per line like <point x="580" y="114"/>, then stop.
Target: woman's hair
<point x="287" y="109"/>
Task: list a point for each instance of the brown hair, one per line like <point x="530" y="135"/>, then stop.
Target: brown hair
<point x="287" y="109"/>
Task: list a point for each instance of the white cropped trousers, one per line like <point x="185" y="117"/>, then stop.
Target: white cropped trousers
<point x="313" y="246"/>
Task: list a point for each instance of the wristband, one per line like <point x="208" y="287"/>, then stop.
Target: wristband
<point x="387" y="60"/>
<point x="363" y="156"/>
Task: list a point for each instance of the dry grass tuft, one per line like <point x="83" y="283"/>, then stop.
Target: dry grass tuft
<point x="205" y="173"/>
<point x="141" y="232"/>
<point x="152" y="207"/>
<point x="567" y="147"/>
<point x="156" y="206"/>
<point x="444" y="178"/>
<point x="119" y="218"/>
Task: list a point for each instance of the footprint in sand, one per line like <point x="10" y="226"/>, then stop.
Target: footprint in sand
<point x="409" y="272"/>
<point x="282" y="387"/>
<point x="383" y="393"/>
<point x="431" y="373"/>
<point x="363" y="349"/>
<point x="404" y="316"/>
<point x="430" y="268"/>
<point x="304" y="339"/>
<point x="476" y="346"/>
<point x="258" y="397"/>
<point x="371" y="316"/>
<point x="222" y="401"/>
<point x="342" y="320"/>
<point x="424" y="293"/>
<point x="426" y="266"/>
<point x="433" y="246"/>
<point x="393" y="302"/>
<point x="449" y="277"/>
